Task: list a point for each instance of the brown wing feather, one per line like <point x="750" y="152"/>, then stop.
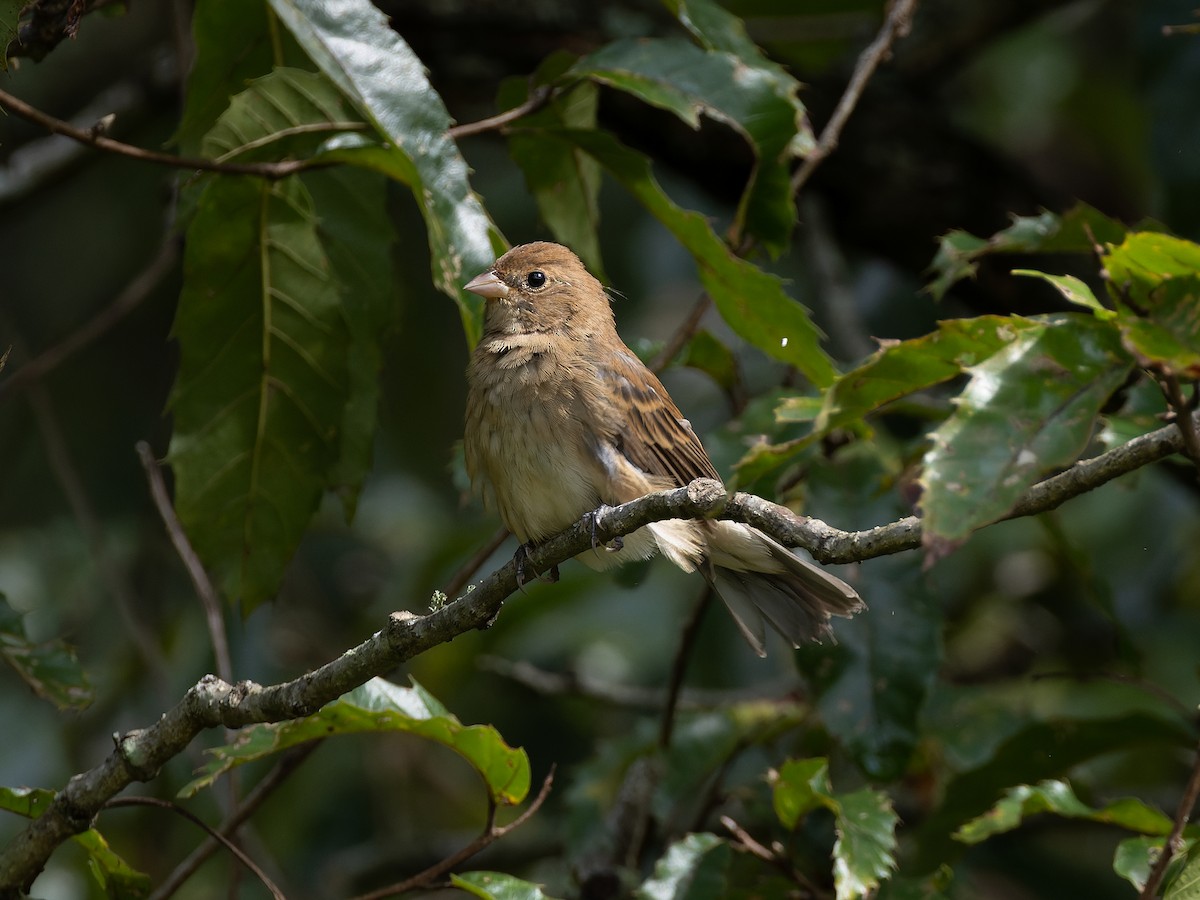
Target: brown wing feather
<point x="654" y="435"/>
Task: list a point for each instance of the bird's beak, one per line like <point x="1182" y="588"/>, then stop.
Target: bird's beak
<point x="487" y="285"/>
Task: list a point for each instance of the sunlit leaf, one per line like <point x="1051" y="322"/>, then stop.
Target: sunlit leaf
<point x="1057" y="797"/>
<point x="262" y="384"/>
<point x="380" y="706"/>
<point x="51" y="669"/>
<point x="1073" y="290"/>
<point x="497" y="886"/>
<point x="800" y="786"/>
<point x="750" y="300"/>
<point x="694" y="868"/>
<point x="1027" y="410"/>
<point x="353" y="44"/>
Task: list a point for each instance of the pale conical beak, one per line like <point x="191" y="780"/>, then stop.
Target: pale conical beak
<point x="487" y="285"/>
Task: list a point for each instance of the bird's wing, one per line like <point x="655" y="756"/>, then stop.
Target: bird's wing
<point x="652" y="433"/>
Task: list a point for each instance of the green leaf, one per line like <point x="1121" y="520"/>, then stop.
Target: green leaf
<point x="1185" y="885"/>
<point x="758" y="102"/>
<point x="353" y="44"/>
<point x="10" y="14"/>
<point x="51" y="669"/>
<point x="357" y="233"/>
<point x="1073" y="290"/>
<point x="872" y="684"/>
<point x="1135" y="858"/>
<point x="959" y="253"/>
<point x="262" y="383"/>
<point x="902" y="368"/>
<point x="1057" y="797"/>
<point x="114" y="875"/>
<point x="286" y="114"/>
<point x="694" y="868"/>
<point x="497" y="886"/>
<point x="709" y="355"/>
<point x="380" y="706"/>
<point x="864" y="854"/>
<point x="564" y="181"/>
<point x="751" y="301"/>
<point x="1028" y="410"/>
<point x="799" y="787"/>
<point x="1156" y="281"/>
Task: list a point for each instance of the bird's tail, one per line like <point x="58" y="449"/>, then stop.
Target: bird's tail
<point x="761" y="582"/>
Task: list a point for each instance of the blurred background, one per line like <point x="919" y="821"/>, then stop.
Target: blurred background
<point x="985" y="111"/>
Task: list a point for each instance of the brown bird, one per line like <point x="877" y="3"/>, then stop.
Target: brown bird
<point x="563" y="418"/>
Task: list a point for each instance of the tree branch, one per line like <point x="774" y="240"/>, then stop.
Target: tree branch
<point x="1174" y="842"/>
<point x="211" y="702"/>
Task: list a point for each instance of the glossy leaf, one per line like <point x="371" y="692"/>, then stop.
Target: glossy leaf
<point x="51" y="669"/>
<point x="959" y="253"/>
<point x="262" y="383"/>
<point x="497" y="886"/>
<point x="1028" y="410"/>
<point x="380" y="706"/>
<point x="694" y="868"/>
<point x="115" y="876"/>
<point x="564" y="181"/>
<point x="1074" y="290"/>
<point x="758" y="101"/>
<point x="353" y="44"/>
<point x="1156" y="280"/>
<point x="751" y="301"/>
<point x="1057" y="797"/>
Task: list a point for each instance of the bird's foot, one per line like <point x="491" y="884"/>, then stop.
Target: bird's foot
<point x="521" y="560"/>
<point x="613" y="546"/>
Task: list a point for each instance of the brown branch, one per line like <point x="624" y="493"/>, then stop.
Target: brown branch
<point x="687" y="643"/>
<point x="682" y="334"/>
<point x="488" y="836"/>
<point x="1174" y="842"/>
<point x="895" y="25"/>
<point x="745" y="841"/>
<point x="538" y="98"/>
<point x="213" y="833"/>
<point x="93" y="138"/>
<point x="1189" y="430"/>
<point x="288" y="763"/>
<point x="142" y="285"/>
<point x="211" y="702"/>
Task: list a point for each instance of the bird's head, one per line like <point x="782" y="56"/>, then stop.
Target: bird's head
<point x="540" y="288"/>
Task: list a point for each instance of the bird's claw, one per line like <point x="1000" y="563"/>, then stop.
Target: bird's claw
<point x="521" y="559"/>
<point x="613" y="546"/>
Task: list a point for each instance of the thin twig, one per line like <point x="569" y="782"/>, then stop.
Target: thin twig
<point x="213" y="613"/>
<point x="682" y="334"/>
<point x="141" y="287"/>
<point x="895" y="25"/>
<point x="213" y="833"/>
<point x="1188" y="427"/>
<point x="1174" y="842"/>
<point x="489" y="835"/>
<point x="289" y="761"/>
<point x="468" y="569"/>
<point x="746" y="842"/>
<point x="538" y="98"/>
<point x="683" y="655"/>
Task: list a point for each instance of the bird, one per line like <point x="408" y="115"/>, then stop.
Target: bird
<point x="563" y="419"/>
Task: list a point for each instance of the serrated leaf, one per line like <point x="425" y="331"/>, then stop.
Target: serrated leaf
<point x="799" y="787"/>
<point x="564" y="181"/>
<point x="353" y="44"/>
<point x="959" y="253"/>
<point x="903" y="368"/>
<point x="286" y="114"/>
<point x="872" y="684"/>
<point x="750" y="300"/>
<point x="1057" y="797"/>
<point x="757" y="101"/>
<point x="1156" y="282"/>
<point x="1074" y="290"/>
<point x="1040" y="750"/>
<point x="497" y="886"/>
<point x="262" y="383"/>
<point x="694" y="868"/>
<point x="1027" y="410"/>
<point x="864" y="854"/>
<point x="380" y="706"/>
<point x="112" y="873"/>
<point x="51" y="669"/>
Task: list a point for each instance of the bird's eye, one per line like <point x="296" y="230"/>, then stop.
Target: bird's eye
<point x="535" y="279"/>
